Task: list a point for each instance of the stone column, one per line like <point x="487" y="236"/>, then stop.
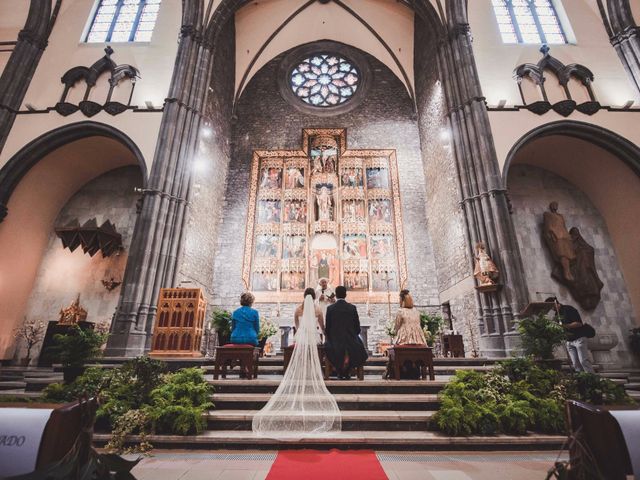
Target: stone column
<point x="624" y="35"/>
<point x="18" y="72"/>
<point x="483" y="196"/>
<point x="158" y="233"/>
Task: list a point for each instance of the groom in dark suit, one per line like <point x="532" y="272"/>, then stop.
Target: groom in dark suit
<point x="344" y="346"/>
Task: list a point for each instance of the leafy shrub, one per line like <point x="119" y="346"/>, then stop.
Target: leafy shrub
<point x="130" y="387"/>
<point x="221" y="321"/>
<point x="430" y="322"/>
<point x="518" y="396"/>
<point x="591" y="388"/>
<point x="78" y="345"/>
<point x="179" y="403"/>
<point x="540" y="335"/>
<point x="91" y="383"/>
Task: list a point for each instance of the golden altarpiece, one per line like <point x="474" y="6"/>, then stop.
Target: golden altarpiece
<point x="324" y="212"/>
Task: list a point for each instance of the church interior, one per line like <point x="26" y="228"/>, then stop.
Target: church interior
<point x="464" y="173"/>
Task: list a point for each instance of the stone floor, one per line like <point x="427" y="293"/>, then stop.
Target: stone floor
<point x="398" y="466"/>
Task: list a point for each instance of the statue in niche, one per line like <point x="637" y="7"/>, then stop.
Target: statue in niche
<point x="587" y="284"/>
<point x="559" y="242"/>
<point x="325" y="204"/>
<point x="574" y="259"/>
<point x="485" y="270"/>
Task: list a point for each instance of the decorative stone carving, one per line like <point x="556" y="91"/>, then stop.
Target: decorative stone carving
<point x="90" y="237"/>
<point x="324" y="212"/>
<point x="574" y="259"/>
<point x="485" y="270"/>
<point x="73" y="314"/>
<point x="90" y="76"/>
<point x="564" y="73"/>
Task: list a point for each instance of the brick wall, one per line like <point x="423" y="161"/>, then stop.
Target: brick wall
<point x="209" y="170"/>
<point x="452" y="259"/>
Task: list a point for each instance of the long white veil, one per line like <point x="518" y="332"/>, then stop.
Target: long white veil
<point x="301" y="406"/>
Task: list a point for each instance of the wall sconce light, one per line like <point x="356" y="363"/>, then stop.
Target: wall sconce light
<point x="628" y="104"/>
<point x="30" y="107"/>
<point x="111" y="284"/>
<point x="502" y="103"/>
<point x="149" y="104"/>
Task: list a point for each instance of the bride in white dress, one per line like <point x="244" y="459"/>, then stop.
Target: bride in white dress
<point x="302" y="406"/>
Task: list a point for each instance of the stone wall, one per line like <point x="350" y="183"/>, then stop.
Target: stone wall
<point x="385" y="119"/>
<point x="64" y="275"/>
<point x="209" y="170"/>
<point x="453" y="263"/>
<point x="531" y="190"/>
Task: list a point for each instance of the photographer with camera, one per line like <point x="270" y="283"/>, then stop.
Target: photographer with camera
<point x="577" y="334"/>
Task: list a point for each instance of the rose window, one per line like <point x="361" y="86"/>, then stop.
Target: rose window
<point x="324" y="80"/>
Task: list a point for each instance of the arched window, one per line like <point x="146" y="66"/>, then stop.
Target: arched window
<point x="528" y="21"/>
<point x="123" y="21"/>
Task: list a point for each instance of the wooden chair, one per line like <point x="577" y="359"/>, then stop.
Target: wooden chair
<point x="418" y="356"/>
<point x="595" y="429"/>
<point x="328" y="368"/>
<point x="230" y="355"/>
<point x="288" y="352"/>
<point x="452" y="345"/>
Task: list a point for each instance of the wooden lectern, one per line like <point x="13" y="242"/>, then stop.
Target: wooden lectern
<point x="179" y="323"/>
<point x="536" y="308"/>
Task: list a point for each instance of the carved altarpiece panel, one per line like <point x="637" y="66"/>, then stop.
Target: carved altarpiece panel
<point x="324" y="212"/>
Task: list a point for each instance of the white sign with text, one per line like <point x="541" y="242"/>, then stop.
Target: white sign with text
<point x="21" y="431"/>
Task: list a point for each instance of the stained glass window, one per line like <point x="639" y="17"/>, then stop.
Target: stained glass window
<point x="325" y="80"/>
<point x="528" y="21"/>
<point x="124" y="21"/>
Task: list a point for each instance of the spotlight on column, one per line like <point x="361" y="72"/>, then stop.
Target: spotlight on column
<point x="445" y="135"/>
<point x="206" y="131"/>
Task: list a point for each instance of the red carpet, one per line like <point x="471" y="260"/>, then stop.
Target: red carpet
<point x="332" y="465"/>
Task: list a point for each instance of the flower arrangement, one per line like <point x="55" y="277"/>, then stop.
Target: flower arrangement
<point x="267" y="329"/>
<point x="390" y="329"/>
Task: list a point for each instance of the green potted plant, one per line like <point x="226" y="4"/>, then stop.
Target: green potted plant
<point x="540" y="336"/>
<point x="431" y="326"/>
<point x="221" y="323"/>
<point x="75" y="348"/>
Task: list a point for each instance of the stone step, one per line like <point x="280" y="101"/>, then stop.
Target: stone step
<point x="632" y="386"/>
<point x="335" y="386"/>
<point x="12" y="385"/>
<point x="376" y="370"/>
<point x="352" y="420"/>
<point x="348" y="401"/>
<point x="616" y="375"/>
<point x="382" y="360"/>
<point x="39" y="384"/>
<point x="376" y="440"/>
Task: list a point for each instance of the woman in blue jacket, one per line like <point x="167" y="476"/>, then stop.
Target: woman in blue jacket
<point x="245" y="322"/>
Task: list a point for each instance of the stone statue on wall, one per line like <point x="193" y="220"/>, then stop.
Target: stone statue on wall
<point x="485" y="270"/>
<point x="559" y="241"/>
<point x="574" y="259"/>
<point x="587" y="284"/>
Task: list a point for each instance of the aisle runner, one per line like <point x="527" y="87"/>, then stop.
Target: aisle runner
<point x="332" y="465"/>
